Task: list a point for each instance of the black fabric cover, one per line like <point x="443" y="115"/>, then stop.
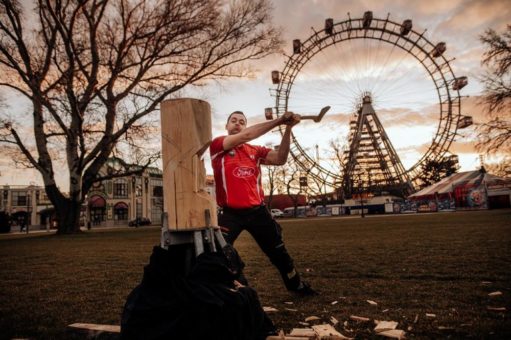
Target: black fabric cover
<point x="174" y="302"/>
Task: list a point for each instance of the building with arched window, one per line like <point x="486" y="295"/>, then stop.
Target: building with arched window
<point x="119" y="200"/>
<point x="111" y="202"/>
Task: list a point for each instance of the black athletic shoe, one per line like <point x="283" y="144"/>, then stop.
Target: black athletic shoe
<point x="305" y="290"/>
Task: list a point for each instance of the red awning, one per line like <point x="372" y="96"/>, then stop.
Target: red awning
<point x="97" y="202"/>
<point x="121" y="205"/>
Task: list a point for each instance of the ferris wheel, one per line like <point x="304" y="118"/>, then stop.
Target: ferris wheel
<point x="407" y="79"/>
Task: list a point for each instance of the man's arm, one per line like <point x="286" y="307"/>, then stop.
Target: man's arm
<point x="279" y="157"/>
<point x="252" y="132"/>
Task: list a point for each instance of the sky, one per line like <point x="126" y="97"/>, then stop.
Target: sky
<point x="404" y="96"/>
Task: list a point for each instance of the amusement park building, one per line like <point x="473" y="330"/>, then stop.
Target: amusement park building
<point x="465" y="190"/>
<point x="25" y="204"/>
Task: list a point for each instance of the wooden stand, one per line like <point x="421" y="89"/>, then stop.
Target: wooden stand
<point x="190" y="212"/>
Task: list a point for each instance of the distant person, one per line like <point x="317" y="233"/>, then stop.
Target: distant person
<point x="237" y="171"/>
<point x="22" y="225"/>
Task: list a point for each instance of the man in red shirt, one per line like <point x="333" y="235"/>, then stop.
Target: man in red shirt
<point x="239" y="192"/>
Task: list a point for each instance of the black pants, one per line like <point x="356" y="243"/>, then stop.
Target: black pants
<point x="268" y="235"/>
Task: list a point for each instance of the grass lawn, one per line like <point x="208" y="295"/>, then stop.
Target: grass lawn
<point x="444" y="264"/>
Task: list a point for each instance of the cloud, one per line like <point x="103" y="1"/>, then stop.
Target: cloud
<point x="460" y="147"/>
<point x="473" y="17"/>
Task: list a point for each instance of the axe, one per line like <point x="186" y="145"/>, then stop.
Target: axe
<point x="268" y="113"/>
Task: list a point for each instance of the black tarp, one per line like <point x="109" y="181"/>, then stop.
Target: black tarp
<point x="183" y="297"/>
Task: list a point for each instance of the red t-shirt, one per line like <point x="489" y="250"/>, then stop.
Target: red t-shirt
<point x="237" y="174"/>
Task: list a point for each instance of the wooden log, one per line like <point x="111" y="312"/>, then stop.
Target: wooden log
<point x="186" y="134"/>
<point x="92" y="331"/>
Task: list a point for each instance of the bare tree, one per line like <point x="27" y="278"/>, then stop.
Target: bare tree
<point x="501" y="168"/>
<point x="93" y="70"/>
<point x="432" y="171"/>
<point x="495" y="135"/>
<point x="291" y="182"/>
<point x="271" y="185"/>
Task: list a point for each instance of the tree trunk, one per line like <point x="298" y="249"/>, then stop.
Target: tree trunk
<point x="67" y="210"/>
<point x="68" y="217"/>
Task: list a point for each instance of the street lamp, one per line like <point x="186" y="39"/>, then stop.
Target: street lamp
<point x="146" y="199"/>
<point x="28" y="216"/>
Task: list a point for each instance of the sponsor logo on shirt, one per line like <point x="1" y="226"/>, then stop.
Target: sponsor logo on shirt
<point x="243" y="172"/>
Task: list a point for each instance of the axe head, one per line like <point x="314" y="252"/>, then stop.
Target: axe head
<point x="321" y="114"/>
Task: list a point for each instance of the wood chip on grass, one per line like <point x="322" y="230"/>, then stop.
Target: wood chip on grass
<point x="326" y="331"/>
<point x="496" y="309"/>
<point x="304" y="332"/>
<point x="382" y="326"/>
<point x="268" y="309"/>
<point x="359" y="318"/>
<point x="393" y="333"/>
<point x="311" y="318"/>
<point x="497" y="293"/>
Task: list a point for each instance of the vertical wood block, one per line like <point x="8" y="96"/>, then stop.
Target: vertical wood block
<point x="186" y="135"/>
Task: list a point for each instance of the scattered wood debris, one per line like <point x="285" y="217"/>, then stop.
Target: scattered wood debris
<point x="334" y="321"/>
<point x="91" y="330"/>
<point x="286" y="337"/>
<point x="304" y="332"/>
<point x="318" y="332"/>
<point x="304" y="323"/>
<point x="393" y="333"/>
<point x="334" y="302"/>
<point x="311" y="318"/>
<point x="497" y="293"/>
<point x="416" y="318"/>
<point x="430" y="315"/>
<point x="444" y="328"/>
<point x="371" y="302"/>
<point x="326" y="331"/>
<point x="268" y="309"/>
<point x="486" y="283"/>
<point x="382" y="326"/>
<point x="291" y="309"/>
<point x="288" y="302"/>
<point x="385" y="311"/>
<point x="496" y="309"/>
<point x="359" y="318"/>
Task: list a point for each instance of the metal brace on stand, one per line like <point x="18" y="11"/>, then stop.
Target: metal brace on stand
<point x="199" y="237"/>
